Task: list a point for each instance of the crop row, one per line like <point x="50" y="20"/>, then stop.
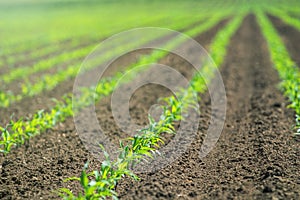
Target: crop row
<point x="98" y="22"/>
<point x="77" y="43"/>
<point x="287" y="69"/>
<point x="292" y="8"/>
<point x="100" y="184"/>
<point x="49" y="81"/>
<point x="25" y="71"/>
<point x="91" y="27"/>
<point x="66" y="44"/>
<point x="17" y="132"/>
<point x="286" y="18"/>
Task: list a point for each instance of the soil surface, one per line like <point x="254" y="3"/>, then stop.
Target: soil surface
<point x="290" y="36"/>
<point x="38" y="168"/>
<point x="257" y="155"/>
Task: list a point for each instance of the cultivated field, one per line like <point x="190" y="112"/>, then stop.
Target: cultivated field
<point x="224" y="125"/>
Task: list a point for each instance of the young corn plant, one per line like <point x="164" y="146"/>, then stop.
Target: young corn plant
<point x="7" y="141"/>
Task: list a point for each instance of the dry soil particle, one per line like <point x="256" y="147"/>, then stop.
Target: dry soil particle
<point x="256" y="157"/>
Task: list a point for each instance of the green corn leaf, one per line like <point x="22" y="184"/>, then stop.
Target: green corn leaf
<point x="84" y="181"/>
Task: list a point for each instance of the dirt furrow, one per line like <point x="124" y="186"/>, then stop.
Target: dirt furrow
<point x="35" y="169"/>
<point x="257" y="155"/>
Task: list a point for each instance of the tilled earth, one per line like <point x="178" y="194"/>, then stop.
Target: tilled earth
<point x="256" y="157"/>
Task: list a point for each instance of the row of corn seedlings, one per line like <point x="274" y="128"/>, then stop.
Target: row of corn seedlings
<point x="75" y="50"/>
<point x="287" y="69"/>
<point x="285" y="17"/>
<point x="77" y="54"/>
<point x="49" y="81"/>
<point x="92" y="27"/>
<point x="17" y="132"/>
<point x="35" y="54"/>
<point x="100" y="183"/>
